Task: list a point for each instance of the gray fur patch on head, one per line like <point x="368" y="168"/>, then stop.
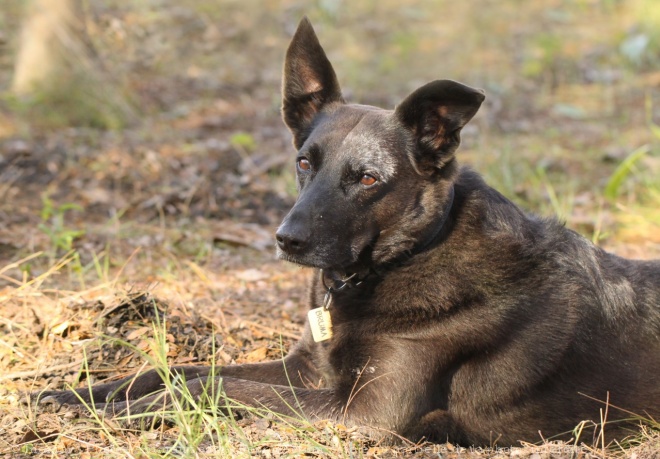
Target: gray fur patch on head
<point x="368" y="146"/>
<point x="371" y="154"/>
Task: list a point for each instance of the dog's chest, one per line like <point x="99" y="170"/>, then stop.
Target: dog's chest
<point x="350" y="354"/>
<point x="364" y="335"/>
<point x="342" y="366"/>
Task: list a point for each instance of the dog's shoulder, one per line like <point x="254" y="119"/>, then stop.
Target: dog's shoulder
<point x="487" y="215"/>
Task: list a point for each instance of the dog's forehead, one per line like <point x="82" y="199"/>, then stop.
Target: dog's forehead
<point x="361" y="135"/>
<point x="354" y="124"/>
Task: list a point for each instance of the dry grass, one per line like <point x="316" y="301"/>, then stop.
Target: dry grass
<point x="102" y="232"/>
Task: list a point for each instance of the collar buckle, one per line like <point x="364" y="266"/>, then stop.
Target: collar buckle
<point x="343" y="282"/>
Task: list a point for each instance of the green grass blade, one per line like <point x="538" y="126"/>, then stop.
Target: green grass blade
<point x="622" y="172"/>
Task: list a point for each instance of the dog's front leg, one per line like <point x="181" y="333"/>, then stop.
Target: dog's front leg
<point x="376" y="405"/>
<point x="227" y="394"/>
<point x="129" y="388"/>
<point x="383" y="403"/>
<point x="296" y="369"/>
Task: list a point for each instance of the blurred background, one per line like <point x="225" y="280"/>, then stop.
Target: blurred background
<point x="151" y="109"/>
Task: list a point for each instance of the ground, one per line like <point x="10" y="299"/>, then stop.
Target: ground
<point x="125" y="247"/>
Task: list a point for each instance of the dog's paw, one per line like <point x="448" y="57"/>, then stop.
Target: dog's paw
<point x="58" y="402"/>
<point x="142" y="414"/>
<point x="53" y="401"/>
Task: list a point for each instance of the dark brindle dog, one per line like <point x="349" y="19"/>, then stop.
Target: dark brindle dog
<point x="452" y="313"/>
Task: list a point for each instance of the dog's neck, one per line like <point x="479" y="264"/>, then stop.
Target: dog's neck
<point x="335" y="280"/>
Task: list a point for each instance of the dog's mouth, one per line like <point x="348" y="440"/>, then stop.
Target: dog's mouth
<point x="310" y="261"/>
<point x="320" y="261"/>
<point x="297" y="260"/>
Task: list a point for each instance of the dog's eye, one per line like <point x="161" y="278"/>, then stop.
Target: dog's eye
<point x="304" y="165"/>
<point x="368" y="180"/>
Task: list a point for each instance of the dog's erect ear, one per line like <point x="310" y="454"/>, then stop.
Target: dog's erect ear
<point x="309" y="83"/>
<point x="436" y="113"/>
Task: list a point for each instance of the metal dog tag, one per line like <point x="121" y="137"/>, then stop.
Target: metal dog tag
<point x="321" y="324"/>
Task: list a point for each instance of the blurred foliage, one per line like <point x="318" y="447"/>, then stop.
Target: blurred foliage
<point x="566" y="81"/>
<point x="381" y="49"/>
<point x="243" y="140"/>
<point x="71" y="102"/>
<point x="54" y="224"/>
<point x="627" y="167"/>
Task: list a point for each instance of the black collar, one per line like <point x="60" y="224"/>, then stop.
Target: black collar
<point x="441" y="225"/>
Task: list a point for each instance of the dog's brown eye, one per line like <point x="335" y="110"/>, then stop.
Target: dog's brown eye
<point x="304" y="165"/>
<point x="368" y="180"/>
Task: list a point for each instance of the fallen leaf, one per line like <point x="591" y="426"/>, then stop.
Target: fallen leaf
<point x="172" y="350"/>
<point x="262" y="424"/>
<point x="257" y="355"/>
<point x="138" y="332"/>
<point x="252" y="275"/>
<point x="124" y="361"/>
<point x="60" y="328"/>
<point x="246" y="234"/>
<point x="32" y="436"/>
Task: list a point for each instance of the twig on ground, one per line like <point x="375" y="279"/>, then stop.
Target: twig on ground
<point x="39" y="372"/>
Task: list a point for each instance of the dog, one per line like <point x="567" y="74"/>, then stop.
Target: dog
<point x="439" y="310"/>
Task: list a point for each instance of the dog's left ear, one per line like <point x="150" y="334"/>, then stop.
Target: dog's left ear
<point x="309" y="82"/>
<point x="436" y="113"/>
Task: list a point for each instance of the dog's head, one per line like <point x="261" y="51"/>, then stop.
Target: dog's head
<point x="373" y="183"/>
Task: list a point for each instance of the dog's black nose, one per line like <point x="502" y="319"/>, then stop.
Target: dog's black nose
<point x="289" y="243"/>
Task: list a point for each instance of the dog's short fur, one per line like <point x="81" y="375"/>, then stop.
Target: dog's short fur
<point x="466" y="320"/>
